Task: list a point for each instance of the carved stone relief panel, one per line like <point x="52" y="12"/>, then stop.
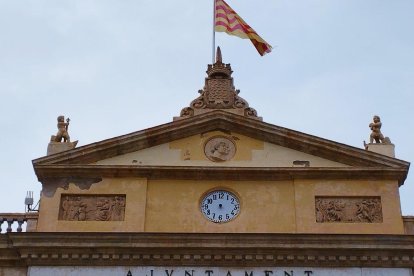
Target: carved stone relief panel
<point x="219" y="149"/>
<point x="348" y="209"/>
<point x="92" y="207"/>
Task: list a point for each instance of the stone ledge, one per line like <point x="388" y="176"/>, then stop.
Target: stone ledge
<point x="408" y="224"/>
<point x="220" y="173"/>
<point x="382" y="148"/>
<point x="190" y="249"/>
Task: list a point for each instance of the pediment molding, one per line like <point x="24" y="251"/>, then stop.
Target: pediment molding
<point x="45" y="172"/>
<point x="226" y="122"/>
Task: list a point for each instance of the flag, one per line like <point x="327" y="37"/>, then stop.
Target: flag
<point x="227" y="20"/>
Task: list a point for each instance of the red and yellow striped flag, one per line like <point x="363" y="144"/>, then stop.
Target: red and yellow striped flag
<point x="227" y="20"/>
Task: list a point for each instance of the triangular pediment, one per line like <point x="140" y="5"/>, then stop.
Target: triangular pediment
<point x="184" y="143"/>
<point x="204" y="150"/>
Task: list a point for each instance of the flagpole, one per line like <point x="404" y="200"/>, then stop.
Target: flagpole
<point x="214" y="32"/>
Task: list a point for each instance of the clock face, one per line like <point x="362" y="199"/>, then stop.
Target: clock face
<point x="220" y="206"/>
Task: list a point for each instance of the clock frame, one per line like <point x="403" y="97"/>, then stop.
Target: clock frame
<point x="220" y="206"/>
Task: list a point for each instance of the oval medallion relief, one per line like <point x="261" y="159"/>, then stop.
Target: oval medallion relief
<point x="219" y="149"/>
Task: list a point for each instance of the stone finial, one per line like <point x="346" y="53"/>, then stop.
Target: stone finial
<point x="219" y="58"/>
<point x="56" y="144"/>
<point x="377" y="142"/>
<point x="218" y="93"/>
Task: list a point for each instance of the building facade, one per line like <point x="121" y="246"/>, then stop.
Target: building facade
<point x="215" y="192"/>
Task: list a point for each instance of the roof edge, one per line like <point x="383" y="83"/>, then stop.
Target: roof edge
<point x="222" y="120"/>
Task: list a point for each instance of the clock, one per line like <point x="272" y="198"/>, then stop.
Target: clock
<point x="220" y="206"/>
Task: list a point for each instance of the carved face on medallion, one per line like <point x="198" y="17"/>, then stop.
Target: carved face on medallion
<point x="219" y="149"/>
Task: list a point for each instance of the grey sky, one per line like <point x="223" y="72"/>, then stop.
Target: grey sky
<point x="115" y="67"/>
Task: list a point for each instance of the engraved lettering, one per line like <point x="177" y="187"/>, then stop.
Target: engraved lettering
<point x="129" y="273"/>
<point x="268" y="272"/>
<point x="248" y="274"/>
<point x="209" y="272"/>
<point x="228" y="273"/>
<point x="308" y="272"/>
<point x="170" y="273"/>
<point x="288" y="274"/>
<point x="188" y="273"/>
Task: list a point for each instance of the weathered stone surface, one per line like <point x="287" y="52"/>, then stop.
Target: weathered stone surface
<point x="92" y="207"/>
<point x="348" y="209"/>
<point x="13" y="271"/>
<point x="61" y="141"/>
<point x="408" y="224"/>
<point x="14" y="222"/>
<point x="384" y="149"/>
<point x="218" y="250"/>
<point x="56" y="147"/>
<point x="377" y="142"/>
<point x="62" y="180"/>
<point x="32" y="218"/>
<point x="376" y="135"/>
<point x="221" y="120"/>
<point x="92" y="172"/>
<point x="63" y="128"/>
<point x="219" y="93"/>
<point x="219" y="149"/>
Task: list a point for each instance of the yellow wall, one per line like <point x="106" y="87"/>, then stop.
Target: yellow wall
<point x="190" y="152"/>
<point x="306" y="190"/>
<point x="133" y="188"/>
<point x="266" y="206"/>
<point x="174" y="206"/>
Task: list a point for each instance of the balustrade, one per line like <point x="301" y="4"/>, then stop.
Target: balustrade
<point x="18" y="222"/>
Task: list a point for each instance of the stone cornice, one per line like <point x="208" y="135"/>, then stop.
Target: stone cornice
<point x="222" y="120"/>
<point x="195" y="249"/>
<point x="408" y="224"/>
<point x="218" y="173"/>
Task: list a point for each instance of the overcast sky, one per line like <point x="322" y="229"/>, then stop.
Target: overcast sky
<point x="115" y="67"/>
